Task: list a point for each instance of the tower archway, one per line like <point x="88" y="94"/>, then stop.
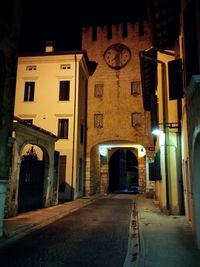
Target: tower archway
<point x="123" y="171"/>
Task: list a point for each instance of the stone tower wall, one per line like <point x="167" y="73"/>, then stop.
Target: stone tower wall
<point x="116" y="104"/>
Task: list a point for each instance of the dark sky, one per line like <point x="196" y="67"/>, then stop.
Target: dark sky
<point x="62" y="20"/>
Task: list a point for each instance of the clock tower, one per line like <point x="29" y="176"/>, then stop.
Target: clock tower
<point x="117" y="125"/>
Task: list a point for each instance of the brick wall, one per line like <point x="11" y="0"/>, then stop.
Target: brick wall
<point x="116" y="104"/>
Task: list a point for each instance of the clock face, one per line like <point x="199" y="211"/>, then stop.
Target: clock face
<point x="117" y="56"/>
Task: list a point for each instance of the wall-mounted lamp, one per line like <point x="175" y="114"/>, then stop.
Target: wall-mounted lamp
<point x="172" y="125"/>
<point x="157" y="131"/>
<point x="141" y="151"/>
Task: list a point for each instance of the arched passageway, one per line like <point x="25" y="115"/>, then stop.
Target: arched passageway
<point x="123" y="171"/>
<point x="196" y="186"/>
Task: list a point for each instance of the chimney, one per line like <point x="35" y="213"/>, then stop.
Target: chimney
<point x="49" y="47"/>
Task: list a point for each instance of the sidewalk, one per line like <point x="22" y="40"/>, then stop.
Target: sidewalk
<point x="165" y="241"/>
<point x="25" y="223"/>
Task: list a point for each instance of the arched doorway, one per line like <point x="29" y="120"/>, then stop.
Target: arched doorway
<point x="196" y="186"/>
<point x="123" y="172"/>
<point x="31" y="182"/>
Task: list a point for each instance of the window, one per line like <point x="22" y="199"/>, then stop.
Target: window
<point x="136" y="119"/>
<point x="98" y="120"/>
<point x="62" y="173"/>
<point x="64" y="90"/>
<point x="63" y="125"/>
<point x="98" y="90"/>
<point x="33" y="67"/>
<point x="29" y="91"/>
<point x="135" y="88"/>
<point x="65" y="66"/>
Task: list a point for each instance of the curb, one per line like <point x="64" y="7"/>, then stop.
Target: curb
<point x="133" y="240"/>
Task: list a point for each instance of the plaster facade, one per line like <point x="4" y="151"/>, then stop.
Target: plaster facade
<point x="46" y="109"/>
<point x="168" y="188"/>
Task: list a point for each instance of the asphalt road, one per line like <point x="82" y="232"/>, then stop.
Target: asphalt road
<point x="94" y="236"/>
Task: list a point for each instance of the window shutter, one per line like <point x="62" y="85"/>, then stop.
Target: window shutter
<point x="175" y="79"/>
<point x="63" y="128"/>
<point x="32" y="89"/>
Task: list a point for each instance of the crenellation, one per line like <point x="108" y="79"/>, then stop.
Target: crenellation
<point x="133" y="31"/>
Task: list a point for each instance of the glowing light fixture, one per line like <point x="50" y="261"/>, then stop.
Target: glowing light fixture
<point x="103" y="151"/>
<point x="157" y="132"/>
<point x="141" y="152"/>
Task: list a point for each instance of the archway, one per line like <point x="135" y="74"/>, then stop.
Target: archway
<point x="196" y="186"/>
<point x="31" y="180"/>
<point x="123" y="171"/>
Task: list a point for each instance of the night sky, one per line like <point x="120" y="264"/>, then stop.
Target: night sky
<point x="62" y="20"/>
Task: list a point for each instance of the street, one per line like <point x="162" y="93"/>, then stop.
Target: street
<point x="95" y="235"/>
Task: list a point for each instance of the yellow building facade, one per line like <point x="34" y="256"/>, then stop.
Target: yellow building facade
<point x="51" y="94"/>
<point x="169" y="190"/>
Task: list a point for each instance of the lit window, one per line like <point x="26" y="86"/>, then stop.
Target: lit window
<point x="98" y="90"/>
<point x="64" y="90"/>
<point x="135" y="88"/>
<point x="63" y="128"/>
<point x="29" y="91"/>
<point x="136" y="119"/>
<point x="98" y="120"/>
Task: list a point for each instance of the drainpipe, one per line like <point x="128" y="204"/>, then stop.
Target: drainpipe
<point x="165" y="130"/>
<point x="165" y="120"/>
<point x="74" y="128"/>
